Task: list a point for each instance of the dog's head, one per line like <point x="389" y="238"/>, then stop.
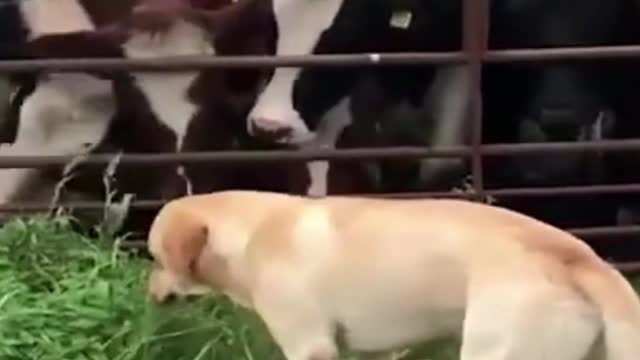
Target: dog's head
<point x="197" y="249"/>
<point x="177" y="242"/>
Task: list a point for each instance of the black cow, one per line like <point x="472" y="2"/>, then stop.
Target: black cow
<point x="577" y="100"/>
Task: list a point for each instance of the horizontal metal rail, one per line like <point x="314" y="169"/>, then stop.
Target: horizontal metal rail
<point x="192" y="63"/>
<point x="565" y="53"/>
<point x="627" y="268"/>
<point x="498" y="193"/>
<point x="216" y="157"/>
<point x="353" y="154"/>
<point x="596" y="232"/>
<point x="566" y="190"/>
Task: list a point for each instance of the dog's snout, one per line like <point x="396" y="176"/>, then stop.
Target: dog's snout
<point x="169" y="299"/>
<point x="269" y="129"/>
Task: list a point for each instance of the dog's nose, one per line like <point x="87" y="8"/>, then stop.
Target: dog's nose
<point x="169" y="299"/>
<point x="269" y="129"/>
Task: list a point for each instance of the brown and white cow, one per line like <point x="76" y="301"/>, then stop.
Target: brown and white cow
<point x="80" y="113"/>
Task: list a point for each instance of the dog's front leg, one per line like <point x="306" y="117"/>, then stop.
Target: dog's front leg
<point x="296" y="322"/>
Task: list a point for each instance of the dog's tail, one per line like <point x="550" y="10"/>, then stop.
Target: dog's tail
<point x="618" y="303"/>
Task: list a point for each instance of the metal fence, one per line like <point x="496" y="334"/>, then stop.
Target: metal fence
<point x="474" y="53"/>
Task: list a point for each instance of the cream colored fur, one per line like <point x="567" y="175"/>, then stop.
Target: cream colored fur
<point x="391" y="273"/>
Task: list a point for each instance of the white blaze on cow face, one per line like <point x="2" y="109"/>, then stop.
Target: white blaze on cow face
<point x="167" y="93"/>
<point x="300" y="24"/>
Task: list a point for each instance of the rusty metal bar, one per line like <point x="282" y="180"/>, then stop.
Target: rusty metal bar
<point x="593" y="232"/>
<point x="567" y="53"/>
<point x="627" y="268"/>
<point x="507" y="192"/>
<point x="566" y="190"/>
<point x="552" y="147"/>
<point x="192" y="63"/>
<point x="518" y="192"/>
<point x="475" y="30"/>
<point x="353" y="154"/>
<point x="151" y="159"/>
<point x="39" y="206"/>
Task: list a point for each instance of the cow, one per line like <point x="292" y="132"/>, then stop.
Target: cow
<point x="118" y="111"/>
<point x="577" y="100"/>
<point x="420" y="105"/>
<point x="354" y="107"/>
<point x="12" y="37"/>
<point x="39" y="101"/>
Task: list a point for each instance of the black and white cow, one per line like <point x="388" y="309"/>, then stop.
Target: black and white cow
<point x="12" y="37"/>
<point x="80" y="113"/>
<point x="58" y="114"/>
<point x="389" y="106"/>
<point x="378" y="107"/>
<point x="578" y="100"/>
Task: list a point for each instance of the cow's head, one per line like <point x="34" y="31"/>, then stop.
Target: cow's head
<point x="293" y="102"/>
<point x="302" y="29"/>
<point x="299" y="22"/>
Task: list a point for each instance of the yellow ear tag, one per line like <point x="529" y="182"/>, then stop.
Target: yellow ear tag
<point x="401" y="19"/>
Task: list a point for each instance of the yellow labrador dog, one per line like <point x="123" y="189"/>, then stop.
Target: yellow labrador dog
<point x="390" y="273"/>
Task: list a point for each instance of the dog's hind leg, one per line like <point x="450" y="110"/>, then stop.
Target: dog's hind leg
<point x="528" y="319"/>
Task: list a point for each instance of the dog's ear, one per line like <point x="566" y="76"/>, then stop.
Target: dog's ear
<point x="183" y="243"/>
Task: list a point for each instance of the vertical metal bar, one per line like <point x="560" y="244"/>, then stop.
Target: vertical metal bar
<point x="475" y="42"/>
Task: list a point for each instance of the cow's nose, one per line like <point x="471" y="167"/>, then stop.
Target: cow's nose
<point x="269" y="129"/>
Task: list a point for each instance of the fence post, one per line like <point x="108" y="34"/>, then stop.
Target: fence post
<point x="475" y="41"/>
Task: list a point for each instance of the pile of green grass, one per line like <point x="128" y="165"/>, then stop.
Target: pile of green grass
<point x="67" y="296"/>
